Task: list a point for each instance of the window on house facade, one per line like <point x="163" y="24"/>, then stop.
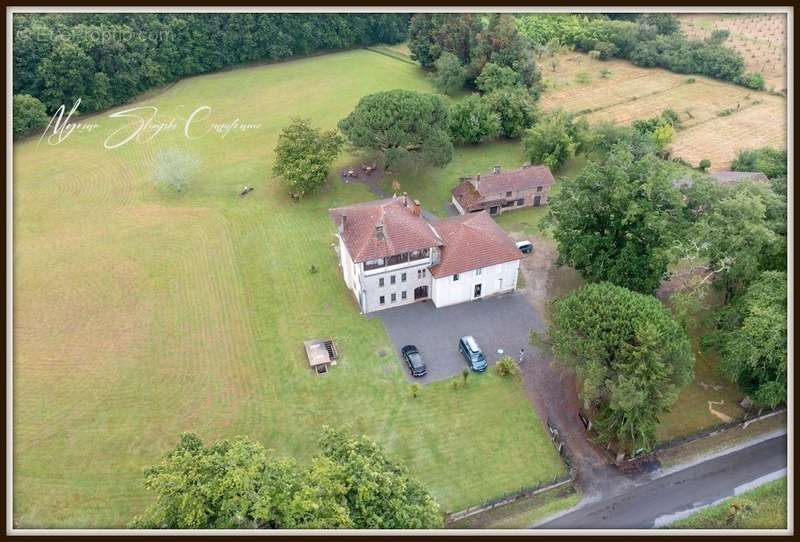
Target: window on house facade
<point x="455" y="277"/>
<point x="403" y="294"/>
<point x="538" y="188"/>
<point x="382" y="300"/>
<point x="380" y="282"/>
<point x="373" y="264"/>
<point x="508" y="194"/>
<point x="394" y="298"/>
<point x="478" y="271"/>
<point x="392" y="279"/>
<point x="420" y="273"/>
<point x="402" y="277"/>
<point x="520" y="202"/>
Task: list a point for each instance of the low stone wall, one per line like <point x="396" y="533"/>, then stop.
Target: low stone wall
<point x="717" y="429"/>
<point x="506" y="499"/>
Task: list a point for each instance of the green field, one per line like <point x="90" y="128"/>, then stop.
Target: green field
<point x="139" y="313"/>
<point x="760" y="508"/>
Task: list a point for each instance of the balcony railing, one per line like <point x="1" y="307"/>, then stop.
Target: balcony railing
<point x="397" y="259"/>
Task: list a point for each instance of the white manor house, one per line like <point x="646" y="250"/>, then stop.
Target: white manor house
<point x="391" y="255"/>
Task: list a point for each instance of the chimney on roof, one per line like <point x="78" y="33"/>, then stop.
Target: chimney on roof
<point x="416" y="210"/>
<point x="405" y="199"/>
<point x="476" y="181"/>
<point x="379" y="231"/>
<point x="342" y="224"/>
<point x="496" y="169"/>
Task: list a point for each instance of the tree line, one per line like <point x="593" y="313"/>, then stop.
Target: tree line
<point x="647" y="40"/>
<point x="106" y="59"/>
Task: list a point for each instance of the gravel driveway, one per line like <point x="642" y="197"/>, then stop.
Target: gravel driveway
<point x="497" y="323"/>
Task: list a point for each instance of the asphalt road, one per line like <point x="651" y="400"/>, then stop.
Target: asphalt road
<point x="695" y="486"/>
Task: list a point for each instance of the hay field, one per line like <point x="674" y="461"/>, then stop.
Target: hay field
<point x="718" y="118"/>
<point x="141" y="313"/>
<point x="760" y="38"/>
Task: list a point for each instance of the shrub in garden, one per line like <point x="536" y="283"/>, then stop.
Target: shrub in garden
<point x="506" y="366"/>
<point x="29" y="113"/>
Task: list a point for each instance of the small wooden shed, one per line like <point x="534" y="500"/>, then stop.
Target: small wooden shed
<point x="321" y="354"/>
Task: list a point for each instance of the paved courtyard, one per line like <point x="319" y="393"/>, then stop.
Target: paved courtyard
<point x="497" y="323"/>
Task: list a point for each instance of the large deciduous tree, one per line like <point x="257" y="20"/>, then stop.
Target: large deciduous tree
<point x="29" y="113"/>
<point x="473" y="121"/>
<point x="555" y="139"/>
<point x="450" y="74"/>
<point x="379" y="492"/>
<point x="238" y="484"/>
<point x="304" y="156"/>
<point x="431" y="34"/>
<point x="231" y="484"/>
<point x="494" y="77"/>
<point x="401" y="124"/>
<point x="739" y="233"/>
<point x="516" y="109"/>
<point x="631" y="357"/>
<point x="617" y="220"/>
<point x="752" y="339"/>
<point x="501" y="43"/>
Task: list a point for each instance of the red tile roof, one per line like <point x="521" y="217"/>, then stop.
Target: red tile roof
<point x="495" y="185"/>
<point x="472" y="241"/>
<point x="403" y="230"/>
<point x="466" y="195"/>
<point x="726" y="177"/>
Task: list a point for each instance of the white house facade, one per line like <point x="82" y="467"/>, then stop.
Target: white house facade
<point x="390" y="255"/>
<point x="475" y="284"/>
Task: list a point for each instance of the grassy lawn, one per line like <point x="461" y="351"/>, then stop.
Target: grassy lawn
<point x="761" y="508"/>
<point x="710" y="399"/>
<point x="140" y="314"/>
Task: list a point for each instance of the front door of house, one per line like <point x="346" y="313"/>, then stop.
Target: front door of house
<point x="420" y="292"/>
<point x="537" y="201"/>
<point x="477" y="290"/>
